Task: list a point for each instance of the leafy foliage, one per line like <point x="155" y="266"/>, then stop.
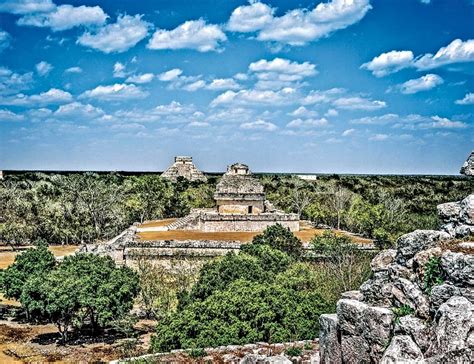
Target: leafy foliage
<point x="281" y="238"/>
<point x="401" y="311"/>
<point x="433" y="274"/>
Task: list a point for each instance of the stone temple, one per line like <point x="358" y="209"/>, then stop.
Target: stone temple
<point x="468" y="166"/>
<point x="183" y="167"/>
<point x="241" y="206"/>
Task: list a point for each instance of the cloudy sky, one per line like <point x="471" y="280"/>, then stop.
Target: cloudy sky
<point x="343" y="86"/>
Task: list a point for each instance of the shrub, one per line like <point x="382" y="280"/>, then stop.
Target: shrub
<point x="281" y="238"/>
<point x="433" y="274"/>
<point x="294" y="351"/>
<point x="401" y="311"/>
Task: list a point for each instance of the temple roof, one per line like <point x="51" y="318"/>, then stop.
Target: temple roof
<point x="237" y="182"/>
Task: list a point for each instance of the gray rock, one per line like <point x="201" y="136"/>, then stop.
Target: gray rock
<point x="378" y="327"/>
<point x="418" y="330"/>
<point x="410" y="244"/>
<point x="378" y="290"/>
<point x="252" y="359"/>
<point x="467" y="210"/>
<point x="406" y="292"/>
<point x="421" y="258"/>
<point x="461" y="356"/>
<point x="350" y="314"/>
<point x="399" y="271"/>
<point x="454" y="322"/>
<point x="402" y="349"/>
<point x="277" y="359"/>
<point x="441" y="293"/>
<point x="458" y="267"/>
<point x="463" y="231"/>
<point x="353" y="295"/>
<point x="449" y="212"/>
<point x="468" y="166"/>
<point x="329" y="340"/>
<point x="383" y="259"/>
<point x="355" y="349"/>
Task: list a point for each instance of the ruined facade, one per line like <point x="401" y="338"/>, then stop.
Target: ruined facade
<point x="183" y="167"/>
<point x="468" y="166"/>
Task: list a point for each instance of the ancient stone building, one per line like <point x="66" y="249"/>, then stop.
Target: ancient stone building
<point x="183" y="167"/>
<point x="239" y="193"/>
<point x="468" y="166"/>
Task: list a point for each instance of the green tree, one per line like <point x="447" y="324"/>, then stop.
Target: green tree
<point x="279" y="237"/>
<point x="33" y="262"/>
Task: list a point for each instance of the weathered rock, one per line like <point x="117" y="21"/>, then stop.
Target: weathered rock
<point x="410" y="244"/>
<point x="277" y="359"/>
<point x="355" y="349"/>
<point x="329" y="340"/>
<point x="408" y="293"/>
<point x="463" y="231"/>
<point x="378" y="290"/>
<point x="449" y="212"/>
<point x="458" y="267"/>
<point x="454" y="322"/>
<point x="382" y="260"/>
<point x="350" y="314"/>
<point x="467" y="210"/>
<point x="402" y="349"/>
<point x="441" y="293"/>
<point x="418" y="330"/>
<point x="399" y="271"/>
<point x="468" y="166"/>
<point x="378" y="327"/>
<point x="461" y="356"/>
<point x="353" y="295"/>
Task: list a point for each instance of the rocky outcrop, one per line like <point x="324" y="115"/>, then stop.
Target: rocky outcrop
<point x="468" y="166"/>
<point x="418" y="304"/>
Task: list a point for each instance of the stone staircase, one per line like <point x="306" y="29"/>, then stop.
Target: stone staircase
<point x="184" y="221"/>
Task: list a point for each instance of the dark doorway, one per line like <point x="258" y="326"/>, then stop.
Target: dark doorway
<point x="250" y="209"/>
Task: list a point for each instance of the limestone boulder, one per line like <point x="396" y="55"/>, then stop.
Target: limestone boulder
<point x="409" y="293"/>
<point x="468" y="166"/>
<point x="402" y="349"/>
<point x="382" y="260"/>
<point x="378" y="328"/>
<point x="350" y="314"/>
<point x="454" y="324"/>
<point x="417" y="329"/>
<point x="329" y="340"/>
<point x="378" y="289"/>
<point x="355" y="349"/>
<point x="441" y="293"/>
<point x="421" y="258"/>
<point x="353" y="295"/>
<point x="458" y="267"/>
<point x="467" y="210"/>
<point x="463" y="231"/>
<point x="410" y="244"/>
<point x="449" y="212"/>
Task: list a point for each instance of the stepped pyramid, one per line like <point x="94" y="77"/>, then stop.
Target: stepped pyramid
<point x="183" y="167"/>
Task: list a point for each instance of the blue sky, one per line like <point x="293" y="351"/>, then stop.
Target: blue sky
<point x="342" y="86"/>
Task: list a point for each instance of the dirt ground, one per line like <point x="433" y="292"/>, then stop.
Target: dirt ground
<point x="7" y="254"/>
<point x="305" y="234"/>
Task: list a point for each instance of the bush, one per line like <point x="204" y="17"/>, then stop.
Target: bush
<point x="281" y="238"/>
<point x="294" y="351"/>
<point x="401" y="311"/>
<point x="433" y="274"/>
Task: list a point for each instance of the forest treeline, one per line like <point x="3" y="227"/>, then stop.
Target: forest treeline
<point x="86" y="207"/>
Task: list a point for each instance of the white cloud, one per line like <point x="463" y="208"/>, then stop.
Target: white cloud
<point x="7" y="115"/>
<point x="331" y="112"/>
<point x="255" y="97"/>
<point x="412" y="122"/>
<point x="73" y="70"/>
<point x="170" y="75"/>
<point x="241" y="76"/>
<point x="348" y="132"/>
<point x="141" y="78"/>
<point x="77" y="110"/>
<point x="52" y="96"/>
<point x="303" y="112"/>
<point x="467" y="100"/>
<point x="455" y="52"/>
<point x="379" y="137"/>
<point x="319" y="97"/>
<point x="307" y="123"/>
<point x="358" y="103"/>
<point x="259" y="125"/>
<point x="119" y="70"/>
<point x="198" y="124"/>
<point x="66" y="17"/>
<point x="223" y="84"/>
<point x="424" y="83"/>
<point x="4" y="40"/>
<point x="43" y="68"/>
<point x="250" y="18"/>
<point x="300" y="26"/>
<point x="173" y="107"/>
<point x="376" y="120"/>
<point x="115" y="92"/>
<point x="11" y="82"/>
<point x="193" y="34"/>
<point x="194" y="86"/>
<point x="445" y="123"/>
<point x="117" y="37"/>
<point x="389" y="62"/>
<point x="20" y="7"/>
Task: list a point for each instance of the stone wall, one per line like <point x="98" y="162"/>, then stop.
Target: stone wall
<point x="240" y="207"/>
<point x="396" y="316"/>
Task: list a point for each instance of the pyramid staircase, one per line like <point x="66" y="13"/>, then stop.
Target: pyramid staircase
<point x="184" y="221"/>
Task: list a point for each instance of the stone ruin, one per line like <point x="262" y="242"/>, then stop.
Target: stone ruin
<point x="468" y="166"/>
<point x="183" y="167"/>
<point x="395" y="317"/>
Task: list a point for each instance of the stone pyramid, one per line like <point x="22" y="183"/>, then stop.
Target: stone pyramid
<point x="184" y="167"/>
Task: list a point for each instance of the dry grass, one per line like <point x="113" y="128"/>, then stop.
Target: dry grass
<point x="7" y="255"/>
